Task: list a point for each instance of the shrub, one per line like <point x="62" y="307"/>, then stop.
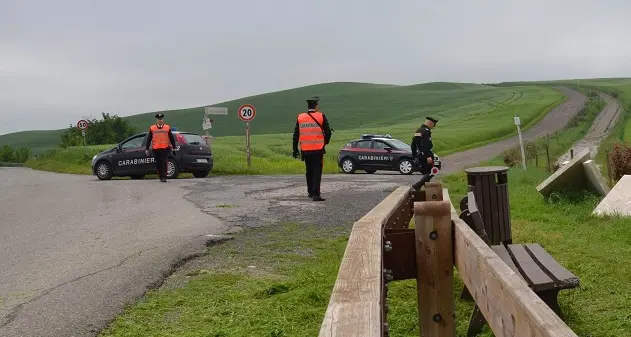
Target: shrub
<point x="511" y="157"/>
<point x="619" y="160"/>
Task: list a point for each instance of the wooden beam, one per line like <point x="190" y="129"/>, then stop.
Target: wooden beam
<point x="508" y="304"/>
<point x="434" y="264"/>
<point x="355" y="306"/>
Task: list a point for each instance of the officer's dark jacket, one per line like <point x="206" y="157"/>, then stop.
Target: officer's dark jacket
<point x="422" y="143"/>
<point x="325" y="127"/>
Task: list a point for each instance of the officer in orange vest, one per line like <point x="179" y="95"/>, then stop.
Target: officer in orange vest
<point x="313" y="133"/>
<point x="162" y="143"/>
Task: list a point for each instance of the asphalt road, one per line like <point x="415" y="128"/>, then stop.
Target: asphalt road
<point x="75" y="250"/>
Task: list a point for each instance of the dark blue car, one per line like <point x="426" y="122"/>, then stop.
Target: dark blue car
<point x="192" y="155"/>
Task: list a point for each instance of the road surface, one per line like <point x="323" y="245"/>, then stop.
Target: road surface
<point x="75" y="250"/>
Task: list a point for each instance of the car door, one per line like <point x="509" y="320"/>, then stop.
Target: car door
<point x="363" y="151"/>
<point x="131" y="158"/>
<point x="381" y="158"/>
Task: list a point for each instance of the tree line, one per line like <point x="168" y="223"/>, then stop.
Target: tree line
<point x="109" y="130"/>
<point x="10" y="155"/>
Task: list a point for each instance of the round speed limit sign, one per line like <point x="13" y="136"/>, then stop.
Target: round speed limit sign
<point x="247" y="112"/>
<point x="82" y="124"/>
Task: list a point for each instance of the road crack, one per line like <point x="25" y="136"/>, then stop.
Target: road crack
<point x="15" y="312"/>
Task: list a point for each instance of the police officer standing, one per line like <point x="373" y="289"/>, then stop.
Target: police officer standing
<point x="313" y="133"/>
<point x="422" y="151"/>
<point x="162" y="142"/>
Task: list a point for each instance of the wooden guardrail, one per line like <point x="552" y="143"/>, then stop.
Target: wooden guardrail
<point x="382" y="248"/>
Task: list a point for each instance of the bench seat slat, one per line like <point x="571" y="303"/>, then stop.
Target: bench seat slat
<point x="536" y="278"/>
<point x="501" y="251"/>
<point x="564" y="277"/>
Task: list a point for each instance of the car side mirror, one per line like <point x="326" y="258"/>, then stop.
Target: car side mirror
<point x="119" y="148"/>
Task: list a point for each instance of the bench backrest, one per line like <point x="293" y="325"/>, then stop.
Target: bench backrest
<point x="472" y="217"/>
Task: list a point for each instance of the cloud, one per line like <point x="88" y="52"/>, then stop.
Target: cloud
<point x="60" y="60"/>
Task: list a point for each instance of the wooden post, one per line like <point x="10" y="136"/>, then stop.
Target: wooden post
<point x="608" y="166"/>
<point x="548" y="155"/>
<point x="434" y="264"/>
<point x="536" y="156"/>
<point x="571" y="153"/>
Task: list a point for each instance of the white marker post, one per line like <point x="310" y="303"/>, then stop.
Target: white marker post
<point x="521" y="143"/>
<point x="82" y="124"/>
<point x="247" y="112"/>
<point x="207" y="122"/>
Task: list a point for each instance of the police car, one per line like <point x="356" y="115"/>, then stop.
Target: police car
<point x="379" y="152"/>
<point x="192" y="155"/>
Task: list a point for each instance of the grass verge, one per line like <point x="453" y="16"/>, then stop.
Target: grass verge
<point x="276" y="280"/>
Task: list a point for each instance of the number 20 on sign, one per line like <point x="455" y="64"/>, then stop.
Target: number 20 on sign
<point x="247" y="112"/>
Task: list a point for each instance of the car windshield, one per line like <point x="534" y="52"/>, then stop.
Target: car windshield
<point x="399" y="144"/>
<point x="193" y="139"/>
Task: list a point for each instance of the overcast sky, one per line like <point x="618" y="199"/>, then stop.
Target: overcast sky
<point x="64" y="59"/>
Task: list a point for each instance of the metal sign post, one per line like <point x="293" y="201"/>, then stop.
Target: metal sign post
<point x="521" y="142"/>
<point x="247" y="112"/>
<point x="207" y="122"/>
<point x="82" y="124"/>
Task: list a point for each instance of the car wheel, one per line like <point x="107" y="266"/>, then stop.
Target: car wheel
<point x="103" y="170"/>
<point x="370" y="171"/>
<point x="137" y="176"/>
<point x="348" y="166"/>
<point x="172" y="170"/>
<point x="200" y="174"/>
<point x="405" y="166"/>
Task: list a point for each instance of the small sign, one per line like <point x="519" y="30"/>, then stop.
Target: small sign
<point x="247" y="112"/>
<point x="83" y="133"/>
<point x="517" y="121"/>
<point x="213" y="110"/>
<point x="207" y="125"/>
<point x="82" y="124"/>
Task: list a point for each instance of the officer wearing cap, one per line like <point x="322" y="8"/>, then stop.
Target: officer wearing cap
<point x="422" y="150"/>
<point x="162" y="142"/>
<point x="313" y="133"/>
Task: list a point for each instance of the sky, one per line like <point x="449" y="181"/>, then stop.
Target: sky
<point x="64" y="59"/>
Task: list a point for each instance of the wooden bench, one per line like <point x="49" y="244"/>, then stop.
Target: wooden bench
<point x="545" y="276"/>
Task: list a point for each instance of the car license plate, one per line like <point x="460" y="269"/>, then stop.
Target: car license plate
<point x="201" y="160"/>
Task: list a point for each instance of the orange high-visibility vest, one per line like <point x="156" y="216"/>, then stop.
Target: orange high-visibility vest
<point x="311" y="135"/>
<point x="160" y="137"/>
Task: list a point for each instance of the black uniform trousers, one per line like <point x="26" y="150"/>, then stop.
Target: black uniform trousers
<point x="314" y="160"/>
<point x="426" y="176"/>
<point x="161" y="156"/>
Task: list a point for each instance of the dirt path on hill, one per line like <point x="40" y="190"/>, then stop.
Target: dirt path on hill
<point x="603" y="124"/>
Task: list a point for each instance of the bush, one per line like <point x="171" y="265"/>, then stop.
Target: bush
<point x="511" y="157"/>
<point x="619" y="160"/>
<point x="9" y="155"/>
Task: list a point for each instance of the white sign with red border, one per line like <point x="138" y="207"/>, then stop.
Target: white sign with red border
<point x="82" y="124"/>
<point x="247" y="112"/>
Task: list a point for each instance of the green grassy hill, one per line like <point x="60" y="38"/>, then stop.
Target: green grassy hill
<point x="352" y="106"/>
<point x="470" y="115"/>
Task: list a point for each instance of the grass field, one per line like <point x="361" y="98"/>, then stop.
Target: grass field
<point x="349" y="106"/>
<point x="470" y="116"/>
<point x="276" y="280"/>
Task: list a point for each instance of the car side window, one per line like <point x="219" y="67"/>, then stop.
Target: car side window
<point x="132" y="143"/>
<point x="363" y="144"/>
<point x="380" y="145"/>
